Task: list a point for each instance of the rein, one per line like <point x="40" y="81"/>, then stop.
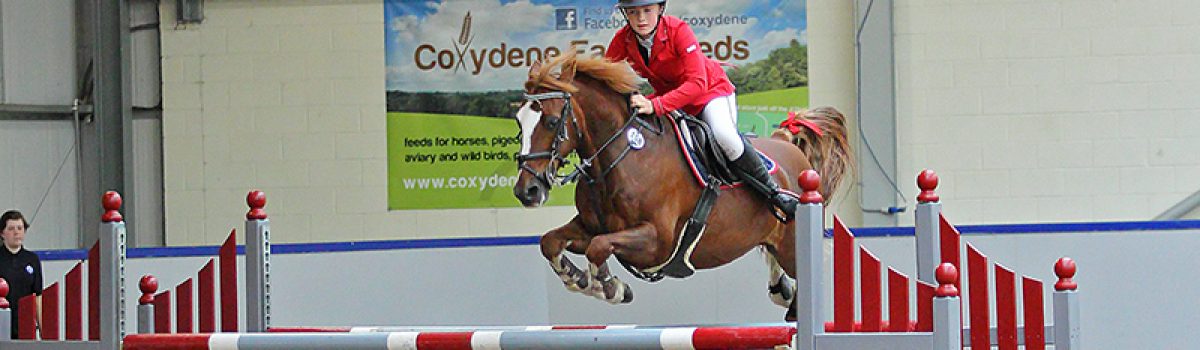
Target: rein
<point x="561" y="136"/>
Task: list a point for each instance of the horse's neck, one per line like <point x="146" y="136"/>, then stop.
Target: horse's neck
<point x="607" y="113"/>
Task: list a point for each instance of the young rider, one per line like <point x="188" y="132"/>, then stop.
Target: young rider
<point x="663" y="49"/>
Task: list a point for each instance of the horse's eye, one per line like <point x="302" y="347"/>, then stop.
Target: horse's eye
<point x="551" y="122"/>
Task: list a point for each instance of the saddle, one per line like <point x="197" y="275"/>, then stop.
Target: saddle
<point x="704" y="155"/>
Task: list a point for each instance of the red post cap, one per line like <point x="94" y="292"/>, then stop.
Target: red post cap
<point x="148" y="285"/>
<point x="810" y="182"/>
<point x="1065" y="269"/>
<point x="3" y="294"/>
<point x="947" y="276"/>
<point x="111" y="203"/>
<point x="927" y="181"/>
<point x="256" y="200"/>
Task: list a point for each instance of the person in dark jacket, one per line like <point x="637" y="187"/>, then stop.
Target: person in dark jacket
<point x="21" y="268"/>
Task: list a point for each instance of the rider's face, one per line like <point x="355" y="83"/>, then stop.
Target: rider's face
<point x="643" y="18"/>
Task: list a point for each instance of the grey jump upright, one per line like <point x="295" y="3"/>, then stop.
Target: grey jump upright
<point x="929" y="252"/>
<point x="810" y="327"/>
<point x="5" y="312"/>
<point x="1066" y="307"/>
<point x="112" y="273"/>
<point x="258" y="264"/>
<point x="148" y="285"/>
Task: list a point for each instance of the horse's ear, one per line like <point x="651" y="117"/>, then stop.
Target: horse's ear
<point x="568" y="73"/>
<point x="535" y="66"/>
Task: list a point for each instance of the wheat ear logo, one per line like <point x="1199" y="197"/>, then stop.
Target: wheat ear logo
<point x="464" y="39"/>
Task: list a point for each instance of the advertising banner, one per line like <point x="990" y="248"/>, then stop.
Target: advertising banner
<point x="455" y="69"/>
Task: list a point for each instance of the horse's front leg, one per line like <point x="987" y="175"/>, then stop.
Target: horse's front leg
<point x="637" y="243"/>
<point x="570" y="237"/>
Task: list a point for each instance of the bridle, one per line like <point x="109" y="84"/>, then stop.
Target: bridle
<point x="549" y="176"/>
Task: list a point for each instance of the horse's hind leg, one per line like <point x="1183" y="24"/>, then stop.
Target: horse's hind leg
<point x="638" y="242"/>
<point x="567" y="237"/>
<point x="780" y="287"/>
<point x="782" y="251"/>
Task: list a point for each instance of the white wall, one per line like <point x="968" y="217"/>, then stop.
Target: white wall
<point x="32" y="153"/>
<point x="1068" y="110"/>
<point x="288" y="97"/>
<point x="37" y="47"/>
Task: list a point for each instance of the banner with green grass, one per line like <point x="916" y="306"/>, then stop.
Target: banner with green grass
<point x="455" y="68"/>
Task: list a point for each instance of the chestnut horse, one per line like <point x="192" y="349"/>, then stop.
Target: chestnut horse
<point x="639" y="198"/>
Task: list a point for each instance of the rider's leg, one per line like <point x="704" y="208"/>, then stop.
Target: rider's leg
<point x="721" y="116"/>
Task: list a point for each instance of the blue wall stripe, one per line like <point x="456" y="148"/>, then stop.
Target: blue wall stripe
<point x="304" y="248"/>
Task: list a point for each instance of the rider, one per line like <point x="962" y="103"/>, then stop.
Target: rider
<point x="663" y="49"/>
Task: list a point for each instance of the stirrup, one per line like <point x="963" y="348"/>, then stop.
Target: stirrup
<point x="777" y="209"/>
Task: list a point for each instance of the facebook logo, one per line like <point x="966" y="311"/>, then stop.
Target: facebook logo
<point x="565" y="19"/>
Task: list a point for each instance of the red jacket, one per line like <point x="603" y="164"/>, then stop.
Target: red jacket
<point x="682" y="77"/>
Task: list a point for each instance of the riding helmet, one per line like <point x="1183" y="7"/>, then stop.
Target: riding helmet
<point x="635" y="3"/>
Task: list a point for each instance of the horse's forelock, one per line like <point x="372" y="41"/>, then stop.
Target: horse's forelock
<point x="617" y="75"/>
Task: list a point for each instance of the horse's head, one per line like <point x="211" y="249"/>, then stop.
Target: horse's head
<point x="549" y="133"/>
<point x="560" y="113"/>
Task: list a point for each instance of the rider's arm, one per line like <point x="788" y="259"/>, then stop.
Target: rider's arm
<point x="691" y="58"/>
<point x="618" y="51"/>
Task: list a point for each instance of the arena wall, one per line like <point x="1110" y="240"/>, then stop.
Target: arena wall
<point x="1037" y="111"/>
<point x="1127" y="279"/>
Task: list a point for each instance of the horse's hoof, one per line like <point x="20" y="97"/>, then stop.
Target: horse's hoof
<point x="579" y="285"/>
<point x="617" y="292"/>
<point x="782" y="292"/>
<point x="791" y="314"/>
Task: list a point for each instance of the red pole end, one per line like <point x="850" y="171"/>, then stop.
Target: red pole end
<point x="947" y="276"/>
<point x="1065" y="269"/>
<point x="3" y="294"/>
<point x="111" y="203"/>
<point x="810" y="182"/>
<point x="927" y="181"/>
<point x="148" y="285"/>
<point x="256" y="200"/>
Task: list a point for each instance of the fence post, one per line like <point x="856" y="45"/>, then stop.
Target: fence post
<point x="258" y="264"/>
<point x="145" y="311"/>
<point x="810" y="233"/>
<point x="112" y="273"/>
<point x="5" y="312"/>
<point x="1066" y="307"/>
<point x="947" y="314"/>
<point x="929" y="253"/>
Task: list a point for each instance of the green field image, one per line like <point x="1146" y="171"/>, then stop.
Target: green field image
<point x="469" y="170"/>
<point x="761" y="112"/>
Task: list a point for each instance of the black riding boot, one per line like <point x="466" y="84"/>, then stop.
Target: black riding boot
<point x="754" y="172"/>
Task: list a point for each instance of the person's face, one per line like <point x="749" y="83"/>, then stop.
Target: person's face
<point x="14" y="233"/>
<point x="643" y="18"/>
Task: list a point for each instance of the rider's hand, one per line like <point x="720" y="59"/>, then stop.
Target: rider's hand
<point x="641" y="104"/>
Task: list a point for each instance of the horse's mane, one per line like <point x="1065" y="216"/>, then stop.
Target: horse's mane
<point x="617" y="75"/>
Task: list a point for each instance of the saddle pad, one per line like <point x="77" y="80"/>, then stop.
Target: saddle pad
<point x="699" y="170"/>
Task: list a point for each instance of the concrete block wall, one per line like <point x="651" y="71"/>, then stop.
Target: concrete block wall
<point x="288" y="97"/>
<point x="1069" y="110"/>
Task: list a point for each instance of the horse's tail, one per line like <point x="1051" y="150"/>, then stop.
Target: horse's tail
<point x="821" y="134"/>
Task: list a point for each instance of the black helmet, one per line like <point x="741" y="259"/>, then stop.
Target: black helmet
<point x="621" y="4"/>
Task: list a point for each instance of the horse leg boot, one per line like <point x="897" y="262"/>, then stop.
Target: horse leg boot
<point x="568" y="237"/>
<point x="780" y="288"/>
<point x="754" y="172"/>
<point x="639" y="243"/>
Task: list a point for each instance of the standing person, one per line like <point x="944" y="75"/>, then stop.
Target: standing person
<point x="663" y="49"/>
<point x="21" y="268"/>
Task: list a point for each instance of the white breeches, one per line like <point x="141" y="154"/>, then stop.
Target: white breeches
<point x="721" y="116"/>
